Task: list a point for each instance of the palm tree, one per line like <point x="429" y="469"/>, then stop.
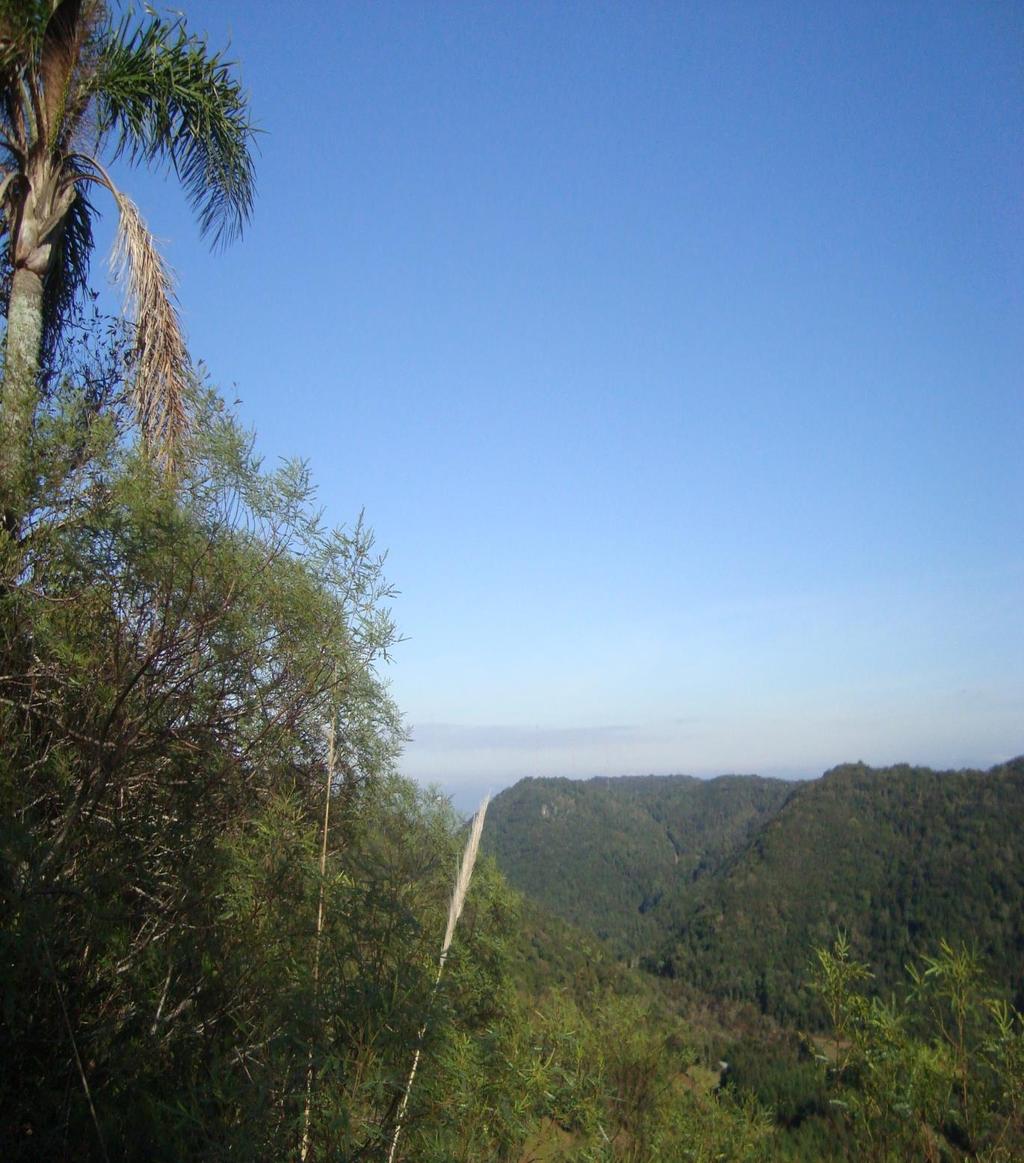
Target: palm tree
<point x="74" y="86"/>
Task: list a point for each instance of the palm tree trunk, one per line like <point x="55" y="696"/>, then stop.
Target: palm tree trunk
<point x="19" y="389"/>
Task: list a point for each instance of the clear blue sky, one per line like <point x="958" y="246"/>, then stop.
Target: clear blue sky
<point x="675" y="353"/>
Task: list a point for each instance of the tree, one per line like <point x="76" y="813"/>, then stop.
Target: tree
<point x="73" y="86"/>
<point x="169" y="659"/>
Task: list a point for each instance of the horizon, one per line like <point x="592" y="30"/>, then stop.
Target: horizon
<point x="466" y="797"/>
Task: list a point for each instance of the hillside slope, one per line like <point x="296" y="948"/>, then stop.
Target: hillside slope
<point x="608" y="854"/>
<point x="730" y="883"/>
<point x="899" y="857"/>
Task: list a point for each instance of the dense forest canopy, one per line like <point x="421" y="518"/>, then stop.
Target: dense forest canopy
<point x="728" y="882"/>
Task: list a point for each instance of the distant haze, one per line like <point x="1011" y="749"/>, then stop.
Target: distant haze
<point x="465" y="762"/>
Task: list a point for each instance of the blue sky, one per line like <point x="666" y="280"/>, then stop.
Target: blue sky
<point x="674" y="352"/>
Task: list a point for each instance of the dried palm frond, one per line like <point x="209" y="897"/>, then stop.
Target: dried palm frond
<point x="162" y="364"/>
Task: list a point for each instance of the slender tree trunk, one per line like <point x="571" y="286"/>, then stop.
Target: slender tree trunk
<point x="19" y="390"/>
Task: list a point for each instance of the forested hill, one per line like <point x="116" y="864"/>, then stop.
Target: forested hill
<point x="730" y="883"/>
<point x="606" y="853"/>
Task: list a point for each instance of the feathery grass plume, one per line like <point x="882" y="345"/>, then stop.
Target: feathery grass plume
<point x="462" y="879"/>
<point x="162" y="364"/>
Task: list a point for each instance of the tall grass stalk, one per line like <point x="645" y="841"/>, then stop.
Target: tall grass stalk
<point x="462" y="879"/>
<point x="308" y="1110"/>
<point x="74" y="1049"/>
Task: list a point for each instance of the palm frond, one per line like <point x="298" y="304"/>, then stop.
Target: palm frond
<point x="162" y="365"/>
<point x="21" y="26"/>
<point x="67" y="56"/>
<point x="57" y="57"/>
<point x="163" y="95"/>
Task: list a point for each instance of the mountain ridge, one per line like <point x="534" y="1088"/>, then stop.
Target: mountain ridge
<point x="731" y="882"/>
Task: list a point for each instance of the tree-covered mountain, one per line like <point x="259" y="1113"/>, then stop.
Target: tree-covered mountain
<point x="898" y="857"/>
<point x="729" y="882"/>
<point x="606" y="853"/>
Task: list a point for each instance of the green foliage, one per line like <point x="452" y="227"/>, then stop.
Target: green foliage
<point x="900" y="856"/>
<point x="168" y="662"/>
<point x="602" y="1082"/>
<point x="164" y="96"/>
<point x="615" y="855"/>
<point x="784" y="1076"/>
<point x="836" y="983"/>
<point x="724" y="884"/>
<point x="936" y="1075"/>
